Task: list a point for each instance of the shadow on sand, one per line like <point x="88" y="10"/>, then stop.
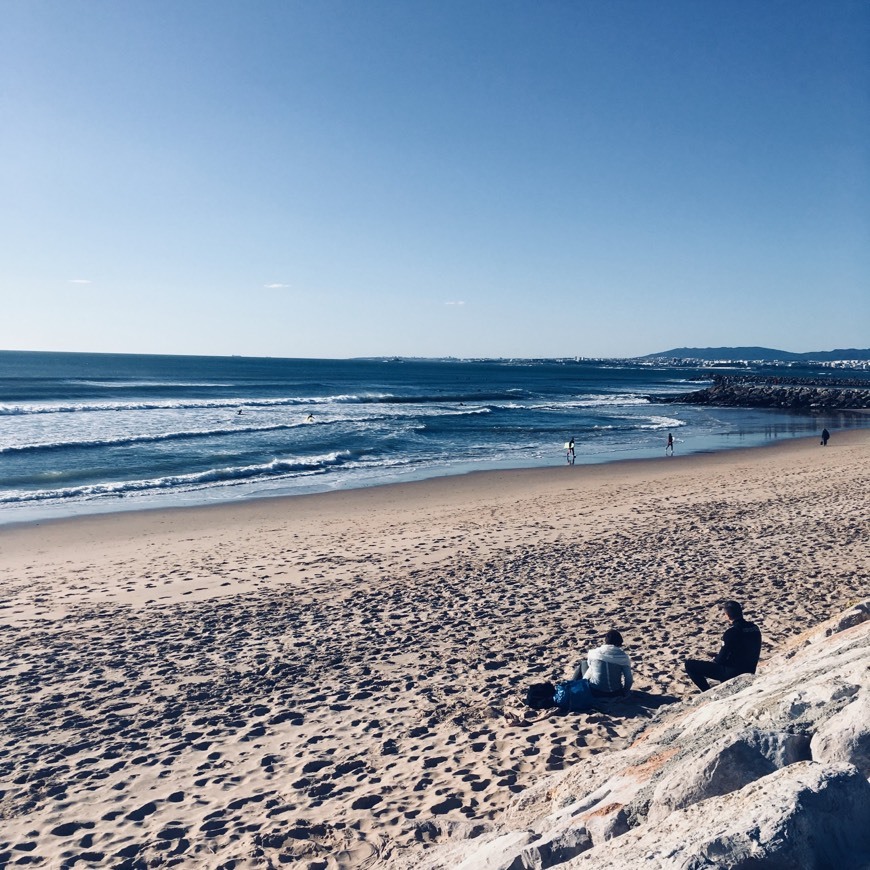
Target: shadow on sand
<point x="633" y="705"/>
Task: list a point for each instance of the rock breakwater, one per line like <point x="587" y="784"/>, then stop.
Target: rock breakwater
<point x="755" y="392"/>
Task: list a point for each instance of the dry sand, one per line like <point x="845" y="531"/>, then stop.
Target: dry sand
<point x="322" y="681"/>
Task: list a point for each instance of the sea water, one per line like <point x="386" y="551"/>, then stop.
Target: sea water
<point x="103" y="432"/>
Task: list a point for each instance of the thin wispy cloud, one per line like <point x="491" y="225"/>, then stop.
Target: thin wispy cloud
<point x="454" y="303"/>
<point x="80" y="281"/>
<point x="277" y="286"/>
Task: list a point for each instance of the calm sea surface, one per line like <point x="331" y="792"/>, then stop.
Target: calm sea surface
<point x="82" y="433"/>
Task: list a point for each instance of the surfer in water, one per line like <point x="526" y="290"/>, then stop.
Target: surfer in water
<point x="309" y="418"/>
<point x="570" y="454"/>
<point x="670" y="448"/>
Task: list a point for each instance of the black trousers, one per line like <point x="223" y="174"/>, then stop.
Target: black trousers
<point x="699" y="672"/>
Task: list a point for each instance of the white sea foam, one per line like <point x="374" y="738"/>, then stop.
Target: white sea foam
<point x="121" y="441"/>
<point x="655" y="422"/>
<point x="147" y="405"/>
<point x="666" y="423"/>
<point x="107" y="405"/>
<point x="193" y="480"/>
<point x="591" y="401"/>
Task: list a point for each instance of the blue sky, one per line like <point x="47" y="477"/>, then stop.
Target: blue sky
<point x="335" y="179"/>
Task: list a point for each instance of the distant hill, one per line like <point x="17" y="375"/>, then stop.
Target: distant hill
<point x="760" y="353"/>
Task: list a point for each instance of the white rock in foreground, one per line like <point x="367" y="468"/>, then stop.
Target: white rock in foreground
<point x="767" y="771"/>
<point x="805" y="816"/>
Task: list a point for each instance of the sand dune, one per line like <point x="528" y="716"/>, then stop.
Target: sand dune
<point x="323" y="680"/>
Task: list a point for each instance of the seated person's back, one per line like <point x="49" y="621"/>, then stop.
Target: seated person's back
<point x="607" y="667"/>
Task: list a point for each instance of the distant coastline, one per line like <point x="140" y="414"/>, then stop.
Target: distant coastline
<point x="762" y="354"/>
<point x="682" y="356"/>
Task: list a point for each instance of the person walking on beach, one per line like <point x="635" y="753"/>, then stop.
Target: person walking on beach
<point x="607" y="667"/>
<point x="570" y="455"/>
<point x="825" y="436"/>
<point x="670" y="446"/>
<point x="741" y="647"/>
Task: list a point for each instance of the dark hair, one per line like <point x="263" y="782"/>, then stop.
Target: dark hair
<point x="613" y="637"/>
<point x="733" y="609"/>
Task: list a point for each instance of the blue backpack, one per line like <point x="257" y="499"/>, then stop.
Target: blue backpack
<point x="573" y="695"/>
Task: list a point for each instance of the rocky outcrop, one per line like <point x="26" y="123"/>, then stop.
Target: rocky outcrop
<point x="805" y="816"/>
<point x="759" y="393"/>
<point x="769" y="770"/>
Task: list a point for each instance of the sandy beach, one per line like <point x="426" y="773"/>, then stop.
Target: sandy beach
<point x="326" y="681"/>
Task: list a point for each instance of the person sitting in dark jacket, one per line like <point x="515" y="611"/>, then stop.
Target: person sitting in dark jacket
<point x="741" y="647"/>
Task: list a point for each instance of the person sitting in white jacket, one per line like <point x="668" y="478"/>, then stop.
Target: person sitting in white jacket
<point x="607" y="667"/>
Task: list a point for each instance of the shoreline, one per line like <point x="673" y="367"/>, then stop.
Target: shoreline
<point x="338" y="677"/>
<point x="544" y="475"/>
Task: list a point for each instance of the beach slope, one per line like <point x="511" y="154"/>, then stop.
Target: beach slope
<point x="324" y="680"/>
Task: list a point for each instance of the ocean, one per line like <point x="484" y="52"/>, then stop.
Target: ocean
<point x="85" y="433"/>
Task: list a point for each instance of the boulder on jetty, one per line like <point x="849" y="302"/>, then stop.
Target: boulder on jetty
<point x="757" y="392"/>
<point x="766" y="770"/>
